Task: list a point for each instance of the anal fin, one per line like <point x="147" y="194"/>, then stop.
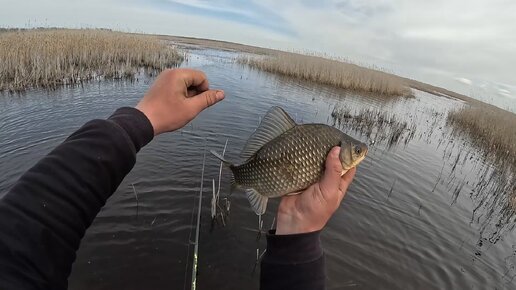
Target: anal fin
<point x="258" y="202"/>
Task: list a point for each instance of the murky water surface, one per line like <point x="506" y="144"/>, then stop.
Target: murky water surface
<point x="424" y="212"/>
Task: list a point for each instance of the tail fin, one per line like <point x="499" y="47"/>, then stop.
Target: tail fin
<point x="227" y="163"/>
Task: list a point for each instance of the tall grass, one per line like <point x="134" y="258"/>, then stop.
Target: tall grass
<point x="47" y="58"/>
<point x="491" y="128"/>
<point x="331" y="72"/>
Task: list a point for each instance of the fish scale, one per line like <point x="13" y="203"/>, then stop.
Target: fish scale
<point x="291" y="163"/>
<point x="284" y="157"/>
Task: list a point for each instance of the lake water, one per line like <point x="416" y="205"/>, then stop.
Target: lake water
<point x="424" y="212"/>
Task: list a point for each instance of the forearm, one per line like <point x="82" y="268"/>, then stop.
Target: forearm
<point x="46" y="213"/>
<point x="293" y="262"/>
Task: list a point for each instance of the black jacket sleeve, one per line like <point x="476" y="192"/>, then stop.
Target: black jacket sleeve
<point x="293" y="262"/>
<point x="46" y="213"/>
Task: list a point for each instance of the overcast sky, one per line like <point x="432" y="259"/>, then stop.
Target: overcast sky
<point x="465" y="45"/>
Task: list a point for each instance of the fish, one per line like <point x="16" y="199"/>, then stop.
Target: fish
<point x="284" y="158"/>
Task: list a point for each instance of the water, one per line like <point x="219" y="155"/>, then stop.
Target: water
<point x="414" y="218"/>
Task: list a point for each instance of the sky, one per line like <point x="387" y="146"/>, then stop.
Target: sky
<point x="468" y="46"/>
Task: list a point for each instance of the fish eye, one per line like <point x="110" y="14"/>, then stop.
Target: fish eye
<point x="358" y="150"/>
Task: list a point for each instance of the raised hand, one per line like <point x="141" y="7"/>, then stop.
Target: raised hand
<point x="176" y="97"/>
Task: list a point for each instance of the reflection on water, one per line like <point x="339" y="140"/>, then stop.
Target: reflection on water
<point x="426" y="209"/>
<point x="493" y="188"/>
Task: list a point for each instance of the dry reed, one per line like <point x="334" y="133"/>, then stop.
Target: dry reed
<point x="490" y="128"/>
<point x="331" y="72"/>
<point x="48" y="58"/>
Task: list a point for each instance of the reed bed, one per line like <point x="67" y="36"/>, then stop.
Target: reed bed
<point x="490" y="128"/>
<point x="48" y="58"/>
<point x="331" y="72"/>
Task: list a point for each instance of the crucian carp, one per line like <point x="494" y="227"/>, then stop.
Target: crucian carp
<point x="283" y="157"/>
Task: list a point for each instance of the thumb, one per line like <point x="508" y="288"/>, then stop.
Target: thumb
<point x="205" y="99"/>
<point x="330" y="181"/>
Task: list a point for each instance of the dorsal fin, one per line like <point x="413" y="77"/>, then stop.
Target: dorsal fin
<point x="275" y="123"/>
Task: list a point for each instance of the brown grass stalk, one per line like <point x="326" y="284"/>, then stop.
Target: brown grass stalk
<point x="52" y="57"/>
<point x="331" y="72"/>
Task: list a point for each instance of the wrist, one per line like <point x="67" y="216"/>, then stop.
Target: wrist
<point x="290" y="224"/>
<point x="149" y="116"/>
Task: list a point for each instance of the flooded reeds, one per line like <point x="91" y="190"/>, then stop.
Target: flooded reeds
<point x="491" y="129"/>
<point x="378" y="126"/>
<point x="330" y="72"/>
<point x="49" y="58"/>
<point x="493" y="132"/>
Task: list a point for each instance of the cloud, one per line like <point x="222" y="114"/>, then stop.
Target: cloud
<point x="464" y="81"/>
<point x="239" y="12"/>
<point x="155" y="16"/>
<point x="432" y="41"/>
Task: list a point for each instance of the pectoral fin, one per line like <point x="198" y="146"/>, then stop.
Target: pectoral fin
<point x="258" y="202"/>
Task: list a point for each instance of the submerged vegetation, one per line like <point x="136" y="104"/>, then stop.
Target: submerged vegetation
<point x="52" y="57"/>
<point x="331" y="72"/>
<point x="493" y="132"/>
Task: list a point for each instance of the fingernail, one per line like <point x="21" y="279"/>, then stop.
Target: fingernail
<point x="219" y="95"/>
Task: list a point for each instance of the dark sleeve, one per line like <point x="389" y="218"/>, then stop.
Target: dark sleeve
<point x="293" y="262"/>
<point x="46" y="213"/>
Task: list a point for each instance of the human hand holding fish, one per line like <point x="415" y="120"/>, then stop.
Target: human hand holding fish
<point x="176" y="97"/>
<point x="309" y="166"/>
<point x="311" y="210"/>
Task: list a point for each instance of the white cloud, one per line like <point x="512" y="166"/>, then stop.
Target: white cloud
<point x="214" y="6"/>
<point x="134" y="18"/>
<point x="464" y="81"/>
<point x="433" y="41"/>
